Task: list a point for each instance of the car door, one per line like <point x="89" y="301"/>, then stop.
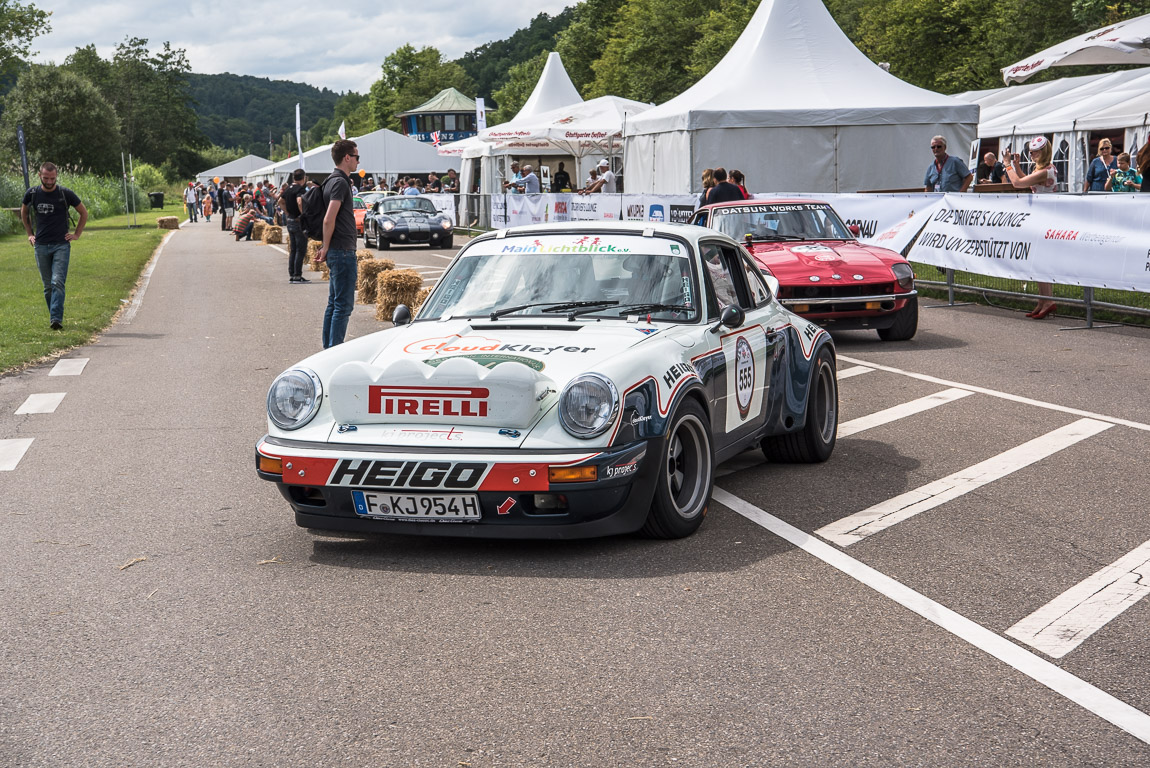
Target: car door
<point x="740" y="360"/>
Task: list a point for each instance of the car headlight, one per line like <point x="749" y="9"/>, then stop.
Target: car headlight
<point x="588" y="405"/>
<point x="294" y="398"/>
<point x="446" y="224"/>
<point x="904" y="275"/>
<point x="388" y="225"/>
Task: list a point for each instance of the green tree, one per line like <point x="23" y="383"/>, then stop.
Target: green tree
<point x="585" y="39"/>
<point x="489" y="65"/>
<point x="66" y="121"/>
<point x="521" y="80"/>
<point x="1091" y="14"/>
<point x="720" y="29"/>
<point x="409" y="78"/>
<point x="649" y="51"/>
<point x="19" y="24"/>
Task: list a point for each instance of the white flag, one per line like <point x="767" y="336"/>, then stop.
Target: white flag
<point x="480" y="115"/>
<point x="298" y="143"/>
<point x="342" y="130"/>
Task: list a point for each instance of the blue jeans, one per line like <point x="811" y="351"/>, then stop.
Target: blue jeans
<point x="340" y="296"/>
<point x="52" y="259"/>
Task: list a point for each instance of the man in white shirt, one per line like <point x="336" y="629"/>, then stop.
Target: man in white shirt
<point x="605" y="182"/>
<point x="190" y="200"/>
<point x="529" y="181"/>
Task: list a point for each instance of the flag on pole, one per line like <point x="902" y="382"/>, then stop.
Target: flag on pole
<point x="297" y="136"/>
<point x="480" y="115"/>
<point x="435" y="138"/>
<point x="342" y="130"/>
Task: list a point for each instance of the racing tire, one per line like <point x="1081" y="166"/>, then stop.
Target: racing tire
<point x="366" y="240"/>
<point x="381" y="244"/>
<point x="441" y="244"/>
<point x="816" y="440"/>
<point x="686" y="476"/>
<point x="905" y="324"/>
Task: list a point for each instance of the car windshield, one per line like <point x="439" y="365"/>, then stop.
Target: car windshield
<point x="407" y="203"/>
<point x="780" y="221"/>
<point x="605" y="276"/>
<point x="357" y="203"/>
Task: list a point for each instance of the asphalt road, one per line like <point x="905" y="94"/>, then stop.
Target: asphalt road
<point x="236" y="638"/>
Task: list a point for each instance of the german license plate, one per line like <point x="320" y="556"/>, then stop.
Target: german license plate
<point x="393" y="506"/>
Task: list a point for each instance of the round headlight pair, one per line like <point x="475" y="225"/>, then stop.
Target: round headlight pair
<point x="903" y="274"/>
<point x="588" y="405"/>
<point x="294" y="398"/>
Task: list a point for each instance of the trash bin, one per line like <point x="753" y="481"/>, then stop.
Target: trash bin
<point x="157" y="199"/>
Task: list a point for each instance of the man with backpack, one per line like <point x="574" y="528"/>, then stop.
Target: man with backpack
<point x="289" y="202"/>
<point x="338" y="248"/>
<point x="52" y="240"/>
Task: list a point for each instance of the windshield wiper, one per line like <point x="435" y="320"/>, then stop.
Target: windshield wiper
<point x="640" y="308"/>
<point x="552" y="307"/>
<point x="776" y="238"/>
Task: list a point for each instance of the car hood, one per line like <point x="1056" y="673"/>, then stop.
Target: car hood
<point x="465" y="384"/>
<point x="798" y="261"/>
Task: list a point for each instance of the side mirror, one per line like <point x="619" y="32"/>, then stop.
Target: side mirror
<point x="772" y="283"/>
<point x="732" y="316"/>
<point x="401" y="315"/>
<point x="854" y="229"/>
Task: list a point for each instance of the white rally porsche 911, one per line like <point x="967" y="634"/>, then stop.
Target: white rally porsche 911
<point x="561" y="381"/>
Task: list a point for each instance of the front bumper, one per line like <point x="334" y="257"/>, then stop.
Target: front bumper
<point x="404" y="236"/>
<point x="318" y="481"/>
<point x="846" y="312"/>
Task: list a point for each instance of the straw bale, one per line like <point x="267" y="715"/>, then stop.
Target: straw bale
<point x="258" y="229"/>
<point x="363" y="255"/>
<point x="369" y="271"/>
<point x="396" y="286"/>
<point x="168" y="222"/>
<point x="273" y="234"/>
<point x="419" y="299"/>
<point x="324" y="270"/>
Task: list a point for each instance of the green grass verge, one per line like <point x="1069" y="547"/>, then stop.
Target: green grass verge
<point x="105" y="264"/>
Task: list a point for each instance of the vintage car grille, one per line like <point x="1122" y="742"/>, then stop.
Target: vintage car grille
<point x="827" y="290"/>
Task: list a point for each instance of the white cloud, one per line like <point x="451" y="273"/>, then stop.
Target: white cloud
<point x="340" y="47"/>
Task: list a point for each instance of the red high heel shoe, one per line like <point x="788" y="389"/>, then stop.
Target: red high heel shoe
<point x="1041" y="313"/>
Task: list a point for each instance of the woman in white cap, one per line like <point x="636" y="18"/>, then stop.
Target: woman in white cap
<point x="1043" y="180"/>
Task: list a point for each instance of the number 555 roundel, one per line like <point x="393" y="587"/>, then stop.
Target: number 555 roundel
<point x="561" y="381"/>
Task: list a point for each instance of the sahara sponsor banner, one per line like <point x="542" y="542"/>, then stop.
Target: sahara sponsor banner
<point x="445" y="204"/>
<point x="1076" y="240"/>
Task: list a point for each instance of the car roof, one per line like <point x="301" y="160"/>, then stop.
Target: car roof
<point x="689" y="232"/>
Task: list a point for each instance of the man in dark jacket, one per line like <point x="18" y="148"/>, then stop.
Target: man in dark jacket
<point x="52" y="240"/>
<point x="724" y="191"/>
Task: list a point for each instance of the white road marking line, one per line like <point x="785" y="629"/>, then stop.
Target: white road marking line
<point x="854" y="426"/>
<point x="281" y="250"/>
<point x="1002" y="395"/>
<point x="42" y="403"/>
<point x="72" y="366"/>
<point x="420" y="266"/>
<point x="1061" y="625"/>
<point x="11" y="451"/>
<point x="1082" y="693"/>
<point x="138" y="299"/>
<point x="868" y="522"/>
<point x="847" y="373"/>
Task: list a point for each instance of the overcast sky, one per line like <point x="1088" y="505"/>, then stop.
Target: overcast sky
<point x="329" y="45"/>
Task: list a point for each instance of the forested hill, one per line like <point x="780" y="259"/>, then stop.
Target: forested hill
<point x="239" y="110"/>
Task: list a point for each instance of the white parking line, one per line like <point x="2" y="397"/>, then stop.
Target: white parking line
<point x="42" y="403"/>
<point x="1002" y="395"/>
<point x="855" y="370"/>
<point x="1061" y="625"/>
<point x="281" y="250"/>
<point x="881" y="516"/>
<point x="69" y="367"/>
<point x="854" y="426"/>
<point x="1091" y="698"/>
<point x="11" y="451"/>
<point x="146" y="278"/>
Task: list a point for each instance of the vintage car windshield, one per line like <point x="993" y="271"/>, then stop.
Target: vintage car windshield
<point x="552" y="271"/>
<point x="780" y="221"/>
<point x="407" y="203"/>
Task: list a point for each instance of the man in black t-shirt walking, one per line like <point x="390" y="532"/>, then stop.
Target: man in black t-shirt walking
<point x="338" y="248"/>
<point x="52" y="240"/>
<point x="289" y="202"/>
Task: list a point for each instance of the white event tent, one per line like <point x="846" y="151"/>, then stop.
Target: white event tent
<point x="797" y="108"/>
<point x="236" y="169"/>
<point x="553" y="90"/>
<point x="382" y="153"/>
<point x="1067" y="111"/>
